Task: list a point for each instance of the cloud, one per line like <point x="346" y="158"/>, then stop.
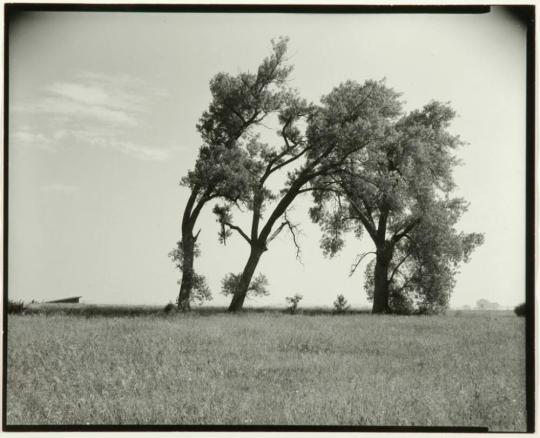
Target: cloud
<point x="108" y="141"/>
<point x="27" y="138"/>
<point x="101" y="138"/>
<point x="78" y="111"/>
<point x="89" y="95"/>
<point x="93" y="108"/>
<point x="64" y="189"/>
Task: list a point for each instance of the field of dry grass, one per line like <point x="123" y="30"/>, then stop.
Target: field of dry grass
<point x="464" y="369"/>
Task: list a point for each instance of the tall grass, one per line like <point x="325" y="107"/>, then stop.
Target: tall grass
<point x="267" y="368"/>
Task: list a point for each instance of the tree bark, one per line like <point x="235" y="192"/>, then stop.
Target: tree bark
<point x="239" y="296"/>
<point x="381" y="292"/>
<point x="186" y="285"/>
<point x="187" y="243"/>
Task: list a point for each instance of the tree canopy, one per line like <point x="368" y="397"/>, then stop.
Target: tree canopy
<point x="398" y="189"/>
<point x="222" y="168"/>
<point x="371" y="168"/>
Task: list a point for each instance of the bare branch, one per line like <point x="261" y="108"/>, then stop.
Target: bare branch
<point x="293" y="228"/>
<point x="238" y="230"/>
<point x="360" y="257"/>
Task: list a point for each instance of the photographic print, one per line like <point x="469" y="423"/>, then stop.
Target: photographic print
<point x="268" y="218"/>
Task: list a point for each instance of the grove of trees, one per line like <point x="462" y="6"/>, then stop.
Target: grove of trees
<point x="370" y="167"/>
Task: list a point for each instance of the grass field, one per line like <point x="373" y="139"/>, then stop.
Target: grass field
<point x="267" y="368"/>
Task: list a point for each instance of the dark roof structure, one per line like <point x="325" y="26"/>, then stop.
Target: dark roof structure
<point x="65" y="300"/>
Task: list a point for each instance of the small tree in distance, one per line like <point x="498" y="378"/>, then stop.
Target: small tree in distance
<point x="483" y="304"/>
<point x="293" y="303"/>
<point x="341" y="305"/>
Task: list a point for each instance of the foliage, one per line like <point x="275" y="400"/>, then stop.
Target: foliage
<point x="238" y="103"/>
<point x="322" y="150"/>
<point x="292" y="303"/>
<point x="521" y="310"/>
<point x="257" y="287"/>
<point x="400" y="301"/>
<point x="340" y="304"/>
<point x="15" y="307"/>
<point x="201" y="291"/>
<point x="423" y="269"/>
<point x="223" y="168"/>
<point x="169" y="307"/>
<point x="398" y="189"/>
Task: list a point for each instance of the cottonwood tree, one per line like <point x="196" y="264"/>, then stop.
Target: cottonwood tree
<point x="238" y="104"/>
<point x="424" y="266"/>
<point x="344" y="124"/>
<point x="398" y="190"/>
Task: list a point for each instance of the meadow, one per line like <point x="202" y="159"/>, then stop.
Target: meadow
<point x="267" y="368"/>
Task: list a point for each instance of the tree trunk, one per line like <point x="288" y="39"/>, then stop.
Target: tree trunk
<point x="186" y="285"/>
<point x="240" y="294"/>
<point x="381" y="293"/>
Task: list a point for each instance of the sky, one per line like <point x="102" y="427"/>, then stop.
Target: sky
<point x="102" y="126"/>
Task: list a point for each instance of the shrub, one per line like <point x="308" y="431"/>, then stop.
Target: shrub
<point x="15" y="307"/>
<point x="341" y="305"/>
<point x="521" y="310"/>
<point x="257" y="287"/>
<point x="169" y="307"/>
<point x="293" y="303"/>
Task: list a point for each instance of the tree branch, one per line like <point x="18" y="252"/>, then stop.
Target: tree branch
<point x="272" y="166"/>
<point x="276" y="232"/>
<point x="327" y="188"/>
<point x="397" y="267"/>
<point x="398" y="236"/>
<point x="238" y="230"/>
<point x="205" y="197"/>
<point x="360" y="257"/>
<point x="365" y="221"/>
<point x="290" y="160"/>
<point x="293" y="229"/>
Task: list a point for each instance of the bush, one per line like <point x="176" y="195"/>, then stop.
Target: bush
<point x="293" y="303"/>
<point x="521" y="310"/>
<point x="341" y="305"/>
<point x="15" y="307"/>
<point x="257" y="288"/>
<point x="169" y="307"/>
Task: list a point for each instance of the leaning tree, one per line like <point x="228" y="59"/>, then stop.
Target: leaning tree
<point x="398" y="190"/>
<point x="313" y="142"/>
<point x="238" y="104"/>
